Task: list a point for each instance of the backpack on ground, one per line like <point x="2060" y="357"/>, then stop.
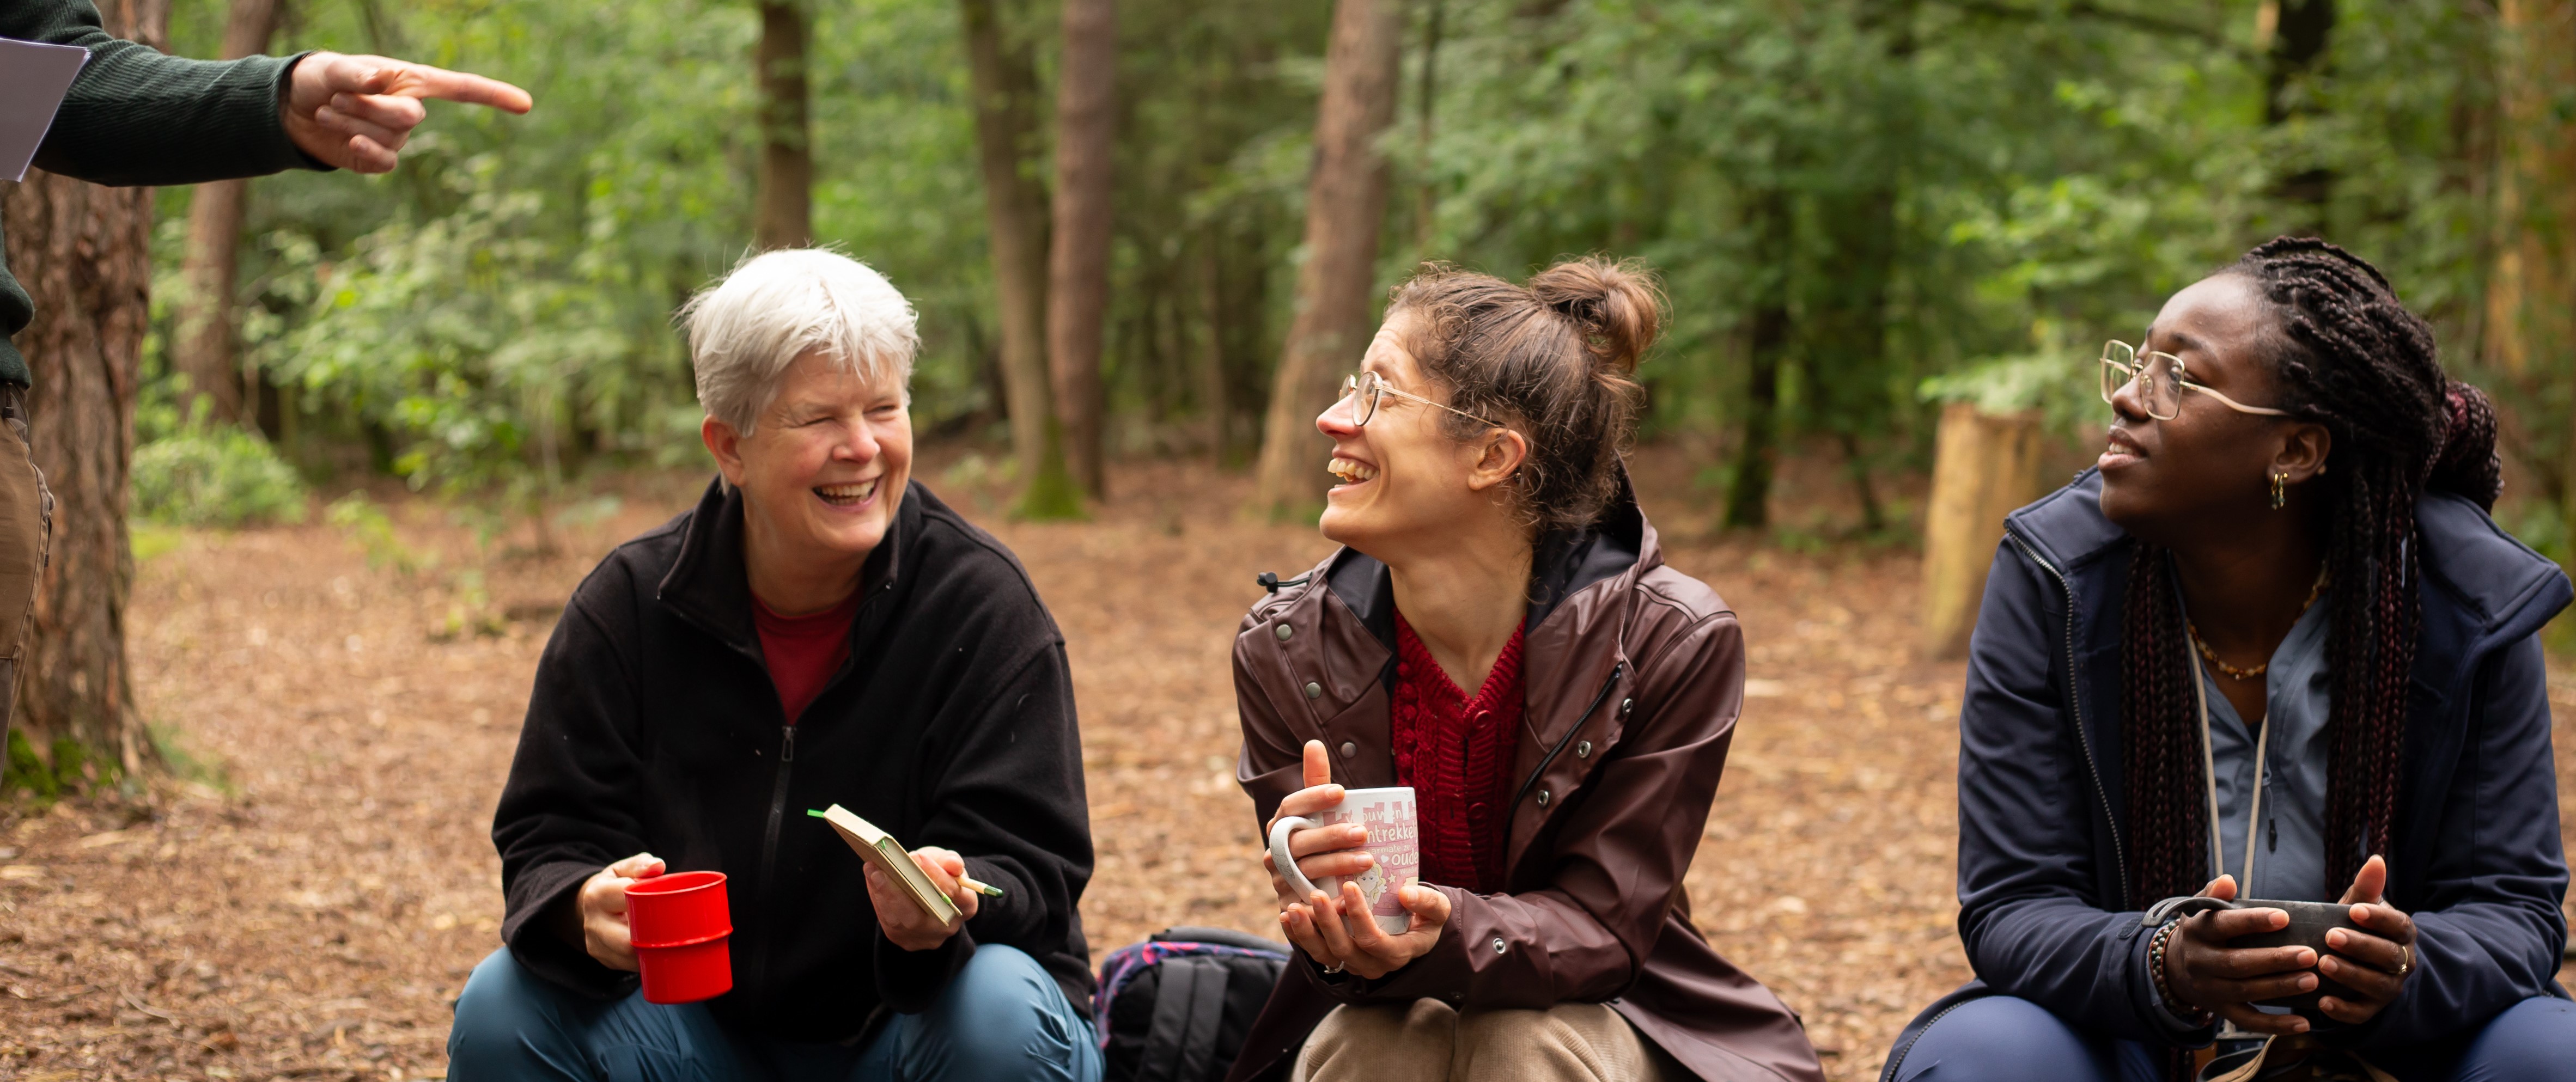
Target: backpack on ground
<point x="1175" y="1007"/>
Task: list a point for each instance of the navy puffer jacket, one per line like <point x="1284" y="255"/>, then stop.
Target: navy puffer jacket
<point x="2475" y="856"/>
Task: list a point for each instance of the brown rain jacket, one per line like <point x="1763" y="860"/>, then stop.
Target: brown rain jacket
<point x="1634" y="674"/>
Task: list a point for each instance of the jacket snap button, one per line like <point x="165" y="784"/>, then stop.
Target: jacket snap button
<point x="1542" y="798"/>
<point x="1283" y="631"/>
<point x="1625" y="705"/>
<point x="1583" y="750"/>
<point x="1314" y="690"/>
<point x="1349" y="749"/>
<point x="1498" y="944"/>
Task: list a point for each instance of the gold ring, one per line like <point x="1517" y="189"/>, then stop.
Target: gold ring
<point x="2405" y="959"/>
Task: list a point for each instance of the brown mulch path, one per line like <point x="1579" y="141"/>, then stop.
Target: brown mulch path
<point x="309" y="909"/>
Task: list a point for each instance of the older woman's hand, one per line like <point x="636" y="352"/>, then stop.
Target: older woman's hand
<point x="600" y="907"/>
<point x="905" y="925"/>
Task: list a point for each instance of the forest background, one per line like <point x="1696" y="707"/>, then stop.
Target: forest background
<point x="1162" y="227"/>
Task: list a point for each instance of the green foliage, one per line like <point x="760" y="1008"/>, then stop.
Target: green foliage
<point x="1904" y="188"/>
<point x="372" y="531"/>
<point x="68" y="770"/>
<point x="2052" y="379"/>
<point x="209" y="476"/>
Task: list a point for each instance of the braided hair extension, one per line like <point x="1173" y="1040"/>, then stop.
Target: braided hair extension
<point x="2349" y="356"/>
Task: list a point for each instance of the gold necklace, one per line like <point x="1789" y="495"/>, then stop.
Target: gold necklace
<point x="2231" y="671"/>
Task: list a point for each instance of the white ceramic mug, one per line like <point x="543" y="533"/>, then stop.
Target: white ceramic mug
<point x="1392" y="839"/>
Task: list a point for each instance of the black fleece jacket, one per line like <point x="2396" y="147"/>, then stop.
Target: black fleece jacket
<point x="654" y="727"/>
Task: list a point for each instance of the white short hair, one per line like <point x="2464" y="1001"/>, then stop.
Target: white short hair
<point x="777" y="306"/>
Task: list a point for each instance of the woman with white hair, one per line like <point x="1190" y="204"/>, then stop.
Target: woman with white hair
<point x="818" y="630"/>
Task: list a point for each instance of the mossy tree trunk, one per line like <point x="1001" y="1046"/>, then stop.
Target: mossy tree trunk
<point x="84" y="253"/>
<point x="1003" y="76"/>
<point x="1086" y="137"/>
<point x="1345" y="210"/>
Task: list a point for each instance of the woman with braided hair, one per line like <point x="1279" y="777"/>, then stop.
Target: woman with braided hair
<point x="2273" y="647"/>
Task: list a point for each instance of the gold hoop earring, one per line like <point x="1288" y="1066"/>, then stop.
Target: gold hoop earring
<point x="2280" y="491"/>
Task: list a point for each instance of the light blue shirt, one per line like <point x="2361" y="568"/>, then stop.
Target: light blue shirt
<point x="2289" y="857"/>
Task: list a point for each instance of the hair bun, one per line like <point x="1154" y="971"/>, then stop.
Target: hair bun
<point x="1620" y="307"/>
<point x="2467" y="463"/>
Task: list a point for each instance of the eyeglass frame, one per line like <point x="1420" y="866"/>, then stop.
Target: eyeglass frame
<point x="2136" y="368"/>
<point x="1379" y="388"/>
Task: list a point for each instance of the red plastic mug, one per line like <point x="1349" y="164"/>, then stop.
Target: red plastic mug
<point x="679" y="924"/>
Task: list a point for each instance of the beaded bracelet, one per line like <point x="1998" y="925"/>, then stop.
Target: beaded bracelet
<point x="2156" y="969"/>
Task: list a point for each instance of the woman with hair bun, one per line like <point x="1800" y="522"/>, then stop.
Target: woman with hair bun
<point x="2272" y="648"/>
<point x="1500" y="633"/>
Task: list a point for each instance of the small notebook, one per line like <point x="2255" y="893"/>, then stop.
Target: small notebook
<point x="891" y="858"/>
<point x="33" y="78"/>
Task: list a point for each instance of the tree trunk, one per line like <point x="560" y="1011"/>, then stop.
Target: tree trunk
<point x="2299" y="31"/>
<point x="1748" y="484"/>
<point x="1086" y="129"/>
<point x="1845" y="331"/>
<point x="1005" y="84"/>
<point x="2531" y="292"/>
<point x="84" y="253"/>
<point x="1345" y="208"/>
<point x="204" y="347"/>
<point x="785" y="215"/>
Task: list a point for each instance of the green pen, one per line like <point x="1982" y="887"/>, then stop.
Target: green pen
<point x="970" y="882"/>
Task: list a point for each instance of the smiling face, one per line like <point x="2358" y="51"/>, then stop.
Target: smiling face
<point x="2201" y="473"/>
<point x="1405" y="484"/>
<point x="823" y="471"/>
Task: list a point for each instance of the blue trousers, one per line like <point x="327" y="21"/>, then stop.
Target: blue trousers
<point x="1002" y="1018"/>
<point x="2003" y="1039"/>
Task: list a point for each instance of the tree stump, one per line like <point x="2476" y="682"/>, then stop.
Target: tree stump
<point x="1987" y="465"/>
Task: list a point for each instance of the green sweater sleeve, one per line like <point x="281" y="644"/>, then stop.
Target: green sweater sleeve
<point x="137" y="116"/>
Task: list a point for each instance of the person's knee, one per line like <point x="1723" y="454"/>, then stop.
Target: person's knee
<point x="502" y="1005"/>
<point x="2003" y="1039"/>
<point x="1386" y="1041"/>
<point x="2529" y="1042"/>
<point x="1002" y="1017"/>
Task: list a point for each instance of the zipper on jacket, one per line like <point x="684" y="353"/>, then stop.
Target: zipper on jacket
<point x="777" y="804"/>
<point x="2075" y="707"/>
<point x="1561" y="741"/>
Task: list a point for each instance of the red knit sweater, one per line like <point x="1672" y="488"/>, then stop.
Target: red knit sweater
<point x="1456" y="753"/>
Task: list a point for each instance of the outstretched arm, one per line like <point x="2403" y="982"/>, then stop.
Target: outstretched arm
<point x="356" y="112"/>
<point x="138" y="116"/>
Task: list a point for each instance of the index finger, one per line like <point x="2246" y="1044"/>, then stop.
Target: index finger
<point x="2226" y="924"/>
<point x="1309" y="801"/>
<point x="2386" y="920"/>
<point x="423" y="81"/>
<point x="939" y="877"/>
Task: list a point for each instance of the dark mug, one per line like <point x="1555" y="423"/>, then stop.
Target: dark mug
<point x="2309" y="923"/>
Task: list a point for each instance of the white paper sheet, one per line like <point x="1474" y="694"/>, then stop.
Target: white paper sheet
<point x="33" y="78"/>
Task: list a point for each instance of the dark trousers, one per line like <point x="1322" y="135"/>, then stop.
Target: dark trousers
<point x="2003" y="1039"/>
<point x="1002" y="1018"/>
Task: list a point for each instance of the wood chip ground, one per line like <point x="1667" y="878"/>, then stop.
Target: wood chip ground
<point x="309" y="906"/>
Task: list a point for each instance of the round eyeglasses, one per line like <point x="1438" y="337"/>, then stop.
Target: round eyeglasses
<point x="1372" y="390"/>
<point x="2161" y="381"/>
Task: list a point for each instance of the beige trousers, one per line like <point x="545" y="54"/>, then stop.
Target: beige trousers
<point x="26" y="527"/>
<point x="1430" y="1040"/>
